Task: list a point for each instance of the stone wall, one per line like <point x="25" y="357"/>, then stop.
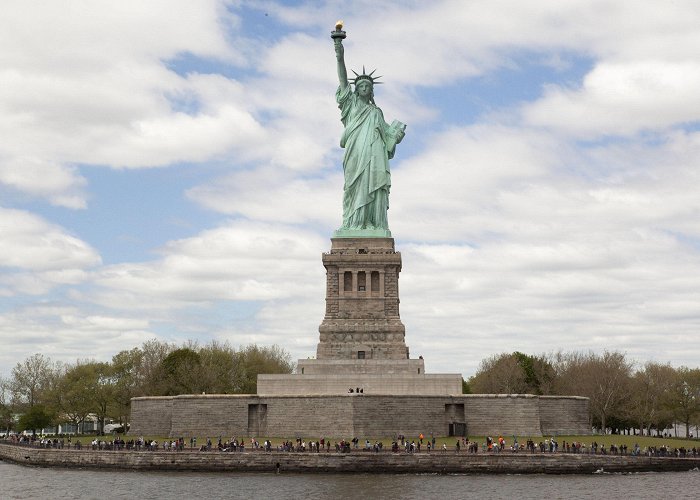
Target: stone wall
<point x="357" y="415"/>
<point x="378" y="416"/>
<point x="563" y="415"/>
<point x="299" y="385"/>
<point x="503" y="414"/>
<point x="362" y="366"/>
<point x="152" y="416"/>
<point x="356" y="462"/>
<point x="214" y="415"/>
<point x="310" y="416"/>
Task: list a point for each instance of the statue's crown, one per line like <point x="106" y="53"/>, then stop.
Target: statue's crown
<point x="364" y="76"/>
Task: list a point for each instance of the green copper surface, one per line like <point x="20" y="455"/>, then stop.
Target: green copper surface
<point x="369" y="144"/>
<point x="362" y="233"/>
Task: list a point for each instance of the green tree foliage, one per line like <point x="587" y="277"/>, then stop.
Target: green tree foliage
<point x="466" y="389"/>
<point x="86" y="388"/>
<point x="35" y="418"/>
<point x="156" y="368"/>
<point x="220" y="368"/>
<point x="104" y="391"/>
<point x="253" y="360"/>
<point x="77" y="389"/>
<point x="685" y="396"/>
<point x="515" y="373"/>
<point x="128" y="380"/>
<point x="150" y="369"/>
<point x="538" y="372"/>
<point x="216" y="368"/>
<point x="182" y="369"/>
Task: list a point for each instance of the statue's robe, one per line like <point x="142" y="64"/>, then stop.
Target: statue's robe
<point x="366" y="162"/>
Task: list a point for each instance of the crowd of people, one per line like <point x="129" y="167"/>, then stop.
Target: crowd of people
<point x="399" y="444"/>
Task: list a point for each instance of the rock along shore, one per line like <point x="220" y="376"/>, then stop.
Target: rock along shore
<point x="355" y="462"/>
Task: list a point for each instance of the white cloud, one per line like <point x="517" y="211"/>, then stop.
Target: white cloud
<point x="622" y="98"/>
<point x="66" y="334"/>
<point x="29" y="242"/>
<point x="102" y="323"/>
<point x="102" y="32"/>
<point x="452" y="190"/>
<point x="238" y="262"/>
<point x="275" y="195"/>
<point x="61" y="184"/>
<point x="291" y="324"/>
<point x="37" y="256"/>
<point x="88" y="83"/>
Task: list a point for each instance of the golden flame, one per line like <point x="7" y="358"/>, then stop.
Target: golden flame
<point x="338" y="25"/>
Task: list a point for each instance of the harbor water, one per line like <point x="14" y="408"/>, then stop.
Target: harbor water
<point x="21" y="482"/>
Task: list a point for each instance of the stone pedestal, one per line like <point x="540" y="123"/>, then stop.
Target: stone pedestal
<point x="362" y="301"/>
<point x="362" y="347"/>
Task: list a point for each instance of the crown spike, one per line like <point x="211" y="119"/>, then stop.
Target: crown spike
<point x="365" y="77"/>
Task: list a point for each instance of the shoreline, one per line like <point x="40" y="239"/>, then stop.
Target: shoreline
<point x="346" y="463"/>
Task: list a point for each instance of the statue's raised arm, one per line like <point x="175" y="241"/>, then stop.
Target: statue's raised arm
<point x="338" y="36"/>
<point x="369" y="144"/>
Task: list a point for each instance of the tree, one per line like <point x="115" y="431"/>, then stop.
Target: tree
<point x="648" y="405"/>
<point x="219" y="368"/>
<point x="182" y="369"/>
<point x="253" y="360"/>
<point x="87" y="387"/>
<point x="126" y="378"/>
<point x="36" y="417"/>
<point x="6" y="410"/>
<point x="685" y="396"/>
<point x="604" y="379"/>
<point x="31" y="379"/>
<point x="77" y="388"/>
<point x="139" y="372"/>
<point x="499" y="374"/>
<point x="149" y="372"/>
<point x="515" y="373"/>
<point x="538" y="370"/>
<point x="104" y="391"/>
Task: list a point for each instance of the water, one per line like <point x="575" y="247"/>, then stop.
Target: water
<point x="31" y="482"/>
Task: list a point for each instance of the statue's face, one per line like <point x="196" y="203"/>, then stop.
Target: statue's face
<point x="364" y="89"/>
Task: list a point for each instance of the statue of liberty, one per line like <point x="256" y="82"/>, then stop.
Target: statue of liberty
<point x="369" y="144"/>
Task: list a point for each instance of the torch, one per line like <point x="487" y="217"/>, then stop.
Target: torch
<point x="338" y="35"/>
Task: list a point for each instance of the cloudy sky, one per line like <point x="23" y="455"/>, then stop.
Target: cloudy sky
<point x="171" y="169"/>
